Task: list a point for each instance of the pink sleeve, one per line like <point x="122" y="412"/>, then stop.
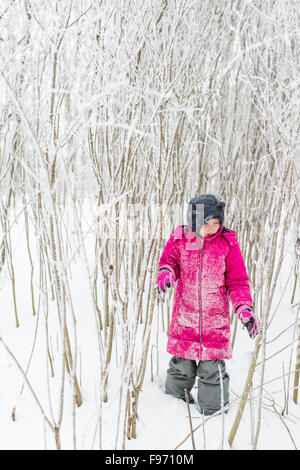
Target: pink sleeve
<point x="170" y="259"/>
<point x="236" y="278"/>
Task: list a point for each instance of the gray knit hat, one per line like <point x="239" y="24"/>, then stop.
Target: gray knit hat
<point x="203" y="208"/>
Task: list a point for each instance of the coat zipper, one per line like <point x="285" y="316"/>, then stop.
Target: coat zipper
<point x="200" y="317"/>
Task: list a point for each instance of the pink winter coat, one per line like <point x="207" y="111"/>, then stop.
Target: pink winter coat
<point x="209" y="271"/>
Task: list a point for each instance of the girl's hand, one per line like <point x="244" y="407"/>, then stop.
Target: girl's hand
<point x="165" y="279"/>
<point x="249" y="320"/>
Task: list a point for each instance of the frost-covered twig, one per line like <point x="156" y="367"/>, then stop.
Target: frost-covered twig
<point x="190" y="418"/>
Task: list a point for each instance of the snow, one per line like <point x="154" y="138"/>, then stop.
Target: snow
<point x="163" y="422"/>
<point x="144" y="109"/>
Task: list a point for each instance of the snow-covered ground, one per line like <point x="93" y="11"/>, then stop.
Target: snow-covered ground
<point x="163" y="420"/>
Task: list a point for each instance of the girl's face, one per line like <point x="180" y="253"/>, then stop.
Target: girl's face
<point x="210" y="228"/>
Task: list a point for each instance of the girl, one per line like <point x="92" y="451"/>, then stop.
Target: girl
<point x="206" y="260"/>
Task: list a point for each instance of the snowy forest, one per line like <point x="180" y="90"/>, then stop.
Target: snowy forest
<point x="113" y="115"/>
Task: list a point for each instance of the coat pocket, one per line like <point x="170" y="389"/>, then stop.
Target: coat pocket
<point x="188" y="320"/>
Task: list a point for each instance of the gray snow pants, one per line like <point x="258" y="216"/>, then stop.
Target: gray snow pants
<point x="182" y="374"/>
